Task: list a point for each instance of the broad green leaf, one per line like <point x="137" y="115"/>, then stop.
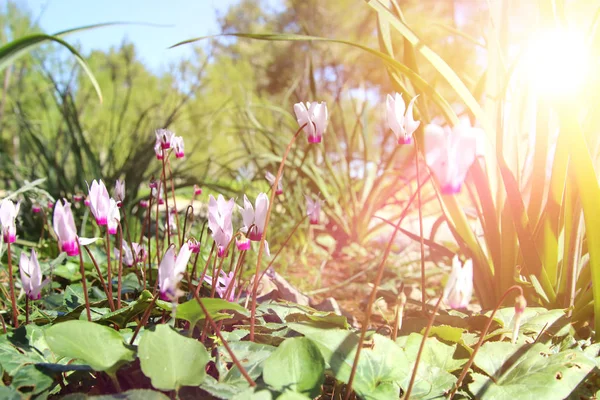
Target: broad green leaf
<point x="192" y="312"/>
<point x="135" y="394"/>
<point x="320" y="319"/>
<point x="446" y="332"/>
<point x="254" y="394"/>
<point x="8" y="393"/>
<point x="100" y="347"/>
<point x="379" y="369"/>
<point x="223" y="390"/>
<point x="529" y="372"/>
<point x="250" y="355"/>
<point x="296" y="365"/>
<point x="293" y="396"/>
<point x="18" y="351"/>
<point x="122" y="316"/>
<point x="434" y="376"/>
<point x="171" y="360"/>
<point x="32" y="378"/>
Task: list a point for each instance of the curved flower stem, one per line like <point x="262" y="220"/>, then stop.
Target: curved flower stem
<point x="283" y="245"/>
<point x="371" y="300"/>
<point x="166" y="196"/>
<point x="481" y="339"/>
<point x="110" y="302"/>
<point x="84" y="282"/>
<point x="187" y="215"/>
<point x="421" y="239"/>
<point x="421" y="347"/>
<point x="109" y="267"/>
<point x="230" y="287"/>
<point x="174" y="203"/>
<point x="120" y="273"/>
<point x="264" y="235"/>
<point x="156" y="230"/>
<point x="11" y="283"/>
<point x="218" y="333"/>
<point x="144" y="318"/>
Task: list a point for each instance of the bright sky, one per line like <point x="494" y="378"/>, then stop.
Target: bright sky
<point x="182" y="19"/>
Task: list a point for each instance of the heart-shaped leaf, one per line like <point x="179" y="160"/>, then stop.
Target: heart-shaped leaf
<point x="100" y="347"/>
<point x="171" y="360"/>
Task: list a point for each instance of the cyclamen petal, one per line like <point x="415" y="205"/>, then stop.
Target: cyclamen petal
<point x="171" y="271"/>
<point x="271" y="179"/>
<point x="120" y="190"/>
<point x="313" y="209"/>
<point x="314" y="115"/>
<point x="114" y="217"/>
<point x="450" y="153"/>
<point x="99" y="202"/>
<point x="459" y="288"/>
<point x="31" y="275"/>
<point x="8" y="215"/>
<point x="64" y="227"/>
<point x="255" y="218"/>
<point x="400" y="119"/>
<point x="164" y="137"/>
<point x="219" y="222"/>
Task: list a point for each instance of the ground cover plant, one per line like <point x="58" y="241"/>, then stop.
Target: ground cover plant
<point x="175" y="288"/>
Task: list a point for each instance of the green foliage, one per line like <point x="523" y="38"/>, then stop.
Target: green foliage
<point x="171" y="360"/>
<point x="100" y="347"/>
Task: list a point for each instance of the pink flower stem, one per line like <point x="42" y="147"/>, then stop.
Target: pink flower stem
<point x="11" y="282"/>
<point x="109" y="266"/>
<point x="421" y="347"/>
<point x="369" y="310"/>
<point x="166" y="196"/>
<point x="156" y="231"/>
<point x="144" y="318"/>
<point x="421" y="239"/>
<point x="111" y="304"/>
<point x="218" y="333"/>
<point x="120" y="273"/>
<point x="481" y="339"/>
<point x="264" y="235"/>
<point x="189" y="211"/>
<point x="174" y="203"/>
<point x="235" y="272"/>
<point x="84" y="282"/>
<point x="284" y="244"/>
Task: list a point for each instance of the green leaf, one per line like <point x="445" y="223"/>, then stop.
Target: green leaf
<point x="98" y="346"/>
<point x="296" y="365"/>
<point x="223" y="390"/>
<point x="531" y="372"/>
<point x="192" y="312"/>
<point x="171" y="360"/>
<point x="250" y="355"/>
<point x="8" y="393"/>
<point x="379" y="367"/>
<point x="32" y="378"/>
<point x="434" y="376"/>
<point x="254" y="394"/>
<point x="320" y="319"/>
<point x="135" y="394"/>
<point x="12" y="51"/>
<point x="122" y="316"/>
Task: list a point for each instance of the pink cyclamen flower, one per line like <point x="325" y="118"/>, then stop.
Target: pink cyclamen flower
<point x="314" y="117"/>
<point x="128" y="258"/>
<point x="254" y="219"/>
<point x="153" y="184"/>
<point x="219" y="222"/>
<point x="242" y="244"/>
<point x="197" y="190"/>
<point x="171" y="271"/>
<point x="36" y="208"/>
<point x="64" y="227"/>
<point x="194" y="246"/>
<point x="164" y="137"/>
<point x="400" y="122"/>
<point x="271" y="179"/>
<point x="8" y="216"/>
<point x="177" y="144"/>
<point x="99" y="202"/>
<point x="119" y="191"/>
<point x="77" y="197"/>
<point x="450" y="153"/>
<point x="459" y="288"/>
<point x="223" y="283"/>
<point x="143" y="204"/>
<point x="114" y="217"/>
<point x="87" y="201"/>
<point x="159" y="196"/>
<point x="31" y="275"/>
<point x="50" y="205"/>
<point x="158" y="150"/>
<point x="313" y="209"/>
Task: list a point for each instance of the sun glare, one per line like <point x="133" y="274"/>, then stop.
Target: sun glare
<point x="557" y="61"/>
